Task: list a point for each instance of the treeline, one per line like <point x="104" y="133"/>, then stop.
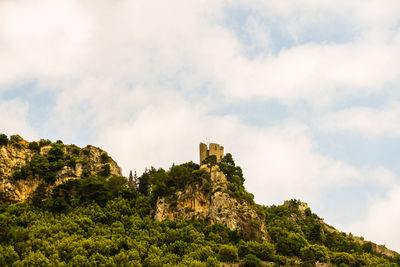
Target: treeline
<point x="95" y="221"/>
<point x="302" y="234"/>
<point x="99" y="221"/>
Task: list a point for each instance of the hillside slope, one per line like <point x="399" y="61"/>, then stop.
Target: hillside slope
<point x="62" y="205"/>
<point x="214" y="205"/>
<point x="23" y="165"/>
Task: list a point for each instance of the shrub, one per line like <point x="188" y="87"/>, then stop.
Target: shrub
<point x="264" y="250"/>
<point x="34" y="146"/>
<point x="105" y="170"/>
<point x="251" y="260"/>
<point x="228" y="253"/>
<point x="15" y="138"/>
<point x="3" y="140"/>
<point x="342" y="258"/>
<point x="104" y="157"/>
<point x="43" y="142"/>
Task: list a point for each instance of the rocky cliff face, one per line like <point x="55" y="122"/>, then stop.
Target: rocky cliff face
<point x="89" y="160"/>
<point x="216" y="206"/>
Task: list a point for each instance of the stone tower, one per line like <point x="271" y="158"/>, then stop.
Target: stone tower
<point x="212" y="149"/>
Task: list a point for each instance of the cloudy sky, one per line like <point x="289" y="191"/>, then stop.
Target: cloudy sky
<point x="305" y="94"/>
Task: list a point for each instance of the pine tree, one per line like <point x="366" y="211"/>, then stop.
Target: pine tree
<point x="131" y="181"/>
<point x="135" y="180"/>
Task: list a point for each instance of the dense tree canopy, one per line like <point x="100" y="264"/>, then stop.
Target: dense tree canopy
<point x="101" y="221"/>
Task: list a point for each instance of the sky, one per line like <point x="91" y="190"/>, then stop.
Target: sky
<point x="304" y="94"/>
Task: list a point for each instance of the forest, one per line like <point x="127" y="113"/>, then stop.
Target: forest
<point x="108" y="221"/>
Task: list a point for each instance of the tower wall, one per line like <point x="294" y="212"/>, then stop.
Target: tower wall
<point x="212" y="149"/>
<point x="203" y="152"/>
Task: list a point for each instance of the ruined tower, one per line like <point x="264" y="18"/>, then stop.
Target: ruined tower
<point x="212" y="149"/>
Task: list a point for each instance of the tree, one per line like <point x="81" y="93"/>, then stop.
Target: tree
<point x="105" y="170"/>
<point x="131" y="181"/>
<point x="210" y="161"/>
<point x="264" y="250"/>
<point x="35" y="259"/>
<point x="343" y="258"/>
<point x="34" y="146"/>
<point x="15" y="138"/>
<point x="116" y="184"/>
<point x="228" y="253"/>
<point x="228" y="159"/>
<point x="3" y="140"/>
<point x="251" y="260"/>
<point x="104" y="157"/>
<point x="39" y="194"/>
<point x="144" y="183"/>
<point x="8" y="256"/>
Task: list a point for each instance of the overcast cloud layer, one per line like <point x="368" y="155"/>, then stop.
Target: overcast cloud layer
<point x="293" y="89"/>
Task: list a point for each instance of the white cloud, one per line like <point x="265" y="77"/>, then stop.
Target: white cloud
<point x="186" y="45"/>
<point x="123" y="71"/>
<point x="279" y="162"/>
<point x="42" y="40"/>
<point x="381" y="224"/>
<point x="368" y="122"/>
<point x="13" y="119"/>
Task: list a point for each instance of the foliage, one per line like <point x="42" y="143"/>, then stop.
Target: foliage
<point x="105" y="170"/>
<point x="234" y="175"/>
<point x="264" y="250"/>
<point x="101" y="221"/>
<point x="160" y="183"/>
<point x="15" y="139"/>
<point x="251" y="260"/>
<point x="3" y="140"/>
<point x="210" y="161"/>
<point x="45" y="166"/>
<point x="104" y="157"/>
<point x="228" y="253"/>
<point x="34" y="146"/>
<point x="111" y="233"/>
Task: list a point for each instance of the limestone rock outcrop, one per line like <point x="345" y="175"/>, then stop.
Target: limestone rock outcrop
<point x="14" y="156"/>
<point x="216" y="206"/>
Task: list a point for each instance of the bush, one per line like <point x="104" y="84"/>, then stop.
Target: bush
<point x="43" y="142"/>
<point x="15" y="140"/>
<point x="251" y="260"/>
<point x="343" y="258"/>
<point x="228" y="253"/>
<point x="105" y="170"/>
<point x="3" y="140"/>
<point x="34" y="146"/>
<point x="264" y="250"/>
<point x="104" y="157"/>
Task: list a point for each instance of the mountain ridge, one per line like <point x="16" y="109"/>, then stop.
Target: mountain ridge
<point x="59" y="178"/>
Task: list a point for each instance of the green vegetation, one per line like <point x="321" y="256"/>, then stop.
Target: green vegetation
<point x="45" y="166"/>
<point x="3" y="140"/>
<point x="101" y="221"/>
<point x="302" y="234"/>
<point x="234" y="175"/>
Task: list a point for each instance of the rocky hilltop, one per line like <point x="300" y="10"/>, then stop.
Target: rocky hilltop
<point x="23" y="165"/>
<point x="188" y="215"/>
<point x="216" y="206"/>
<point x="300" y="213"/>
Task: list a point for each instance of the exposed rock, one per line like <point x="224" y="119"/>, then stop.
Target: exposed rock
<point x="217" y="207"/>
<point x="14" y="156"/>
